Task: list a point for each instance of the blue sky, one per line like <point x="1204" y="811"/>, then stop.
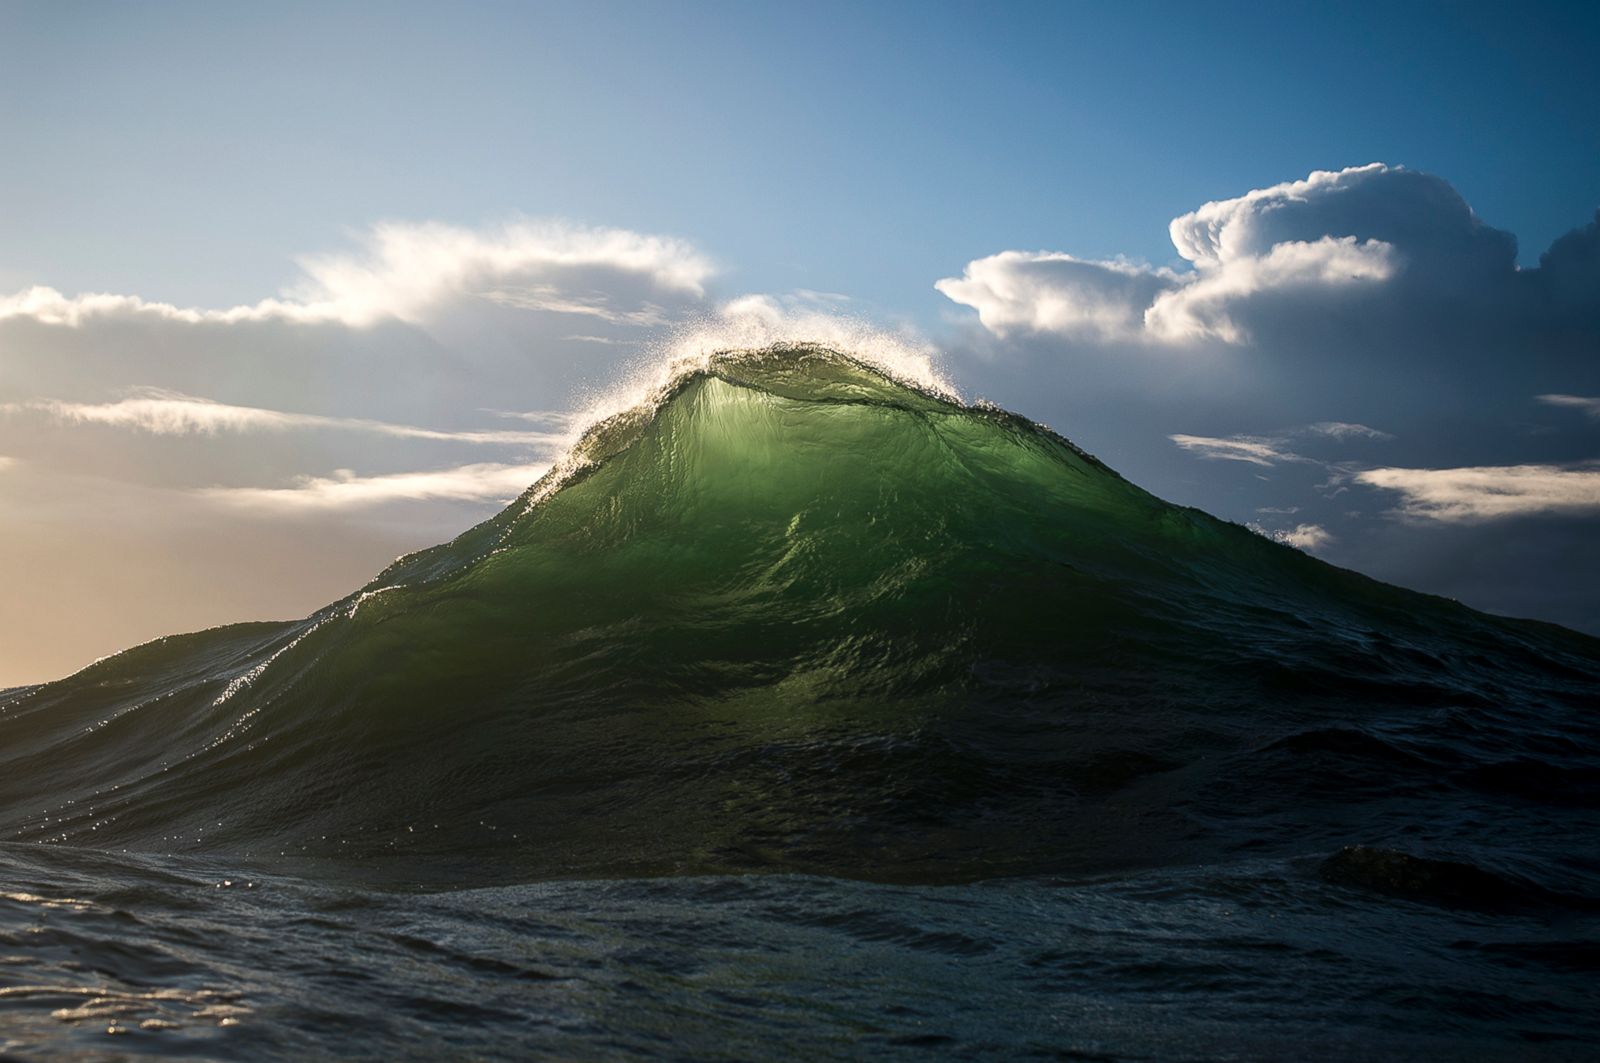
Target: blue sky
<point x="287" y="290"/>
<point x="189" y="150"/>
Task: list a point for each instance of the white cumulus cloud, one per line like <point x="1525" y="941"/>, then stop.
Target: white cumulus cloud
<point x="1047" y="291"/>
<point x="1206" y="305"/>
<point x="1333" y="233"/>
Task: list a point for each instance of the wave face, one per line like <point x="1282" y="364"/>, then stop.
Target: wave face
<point x="795" y="615"/>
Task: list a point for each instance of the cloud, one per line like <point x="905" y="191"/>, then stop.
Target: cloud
<point x="1569" y="272"/>
<point x="1256" y="450"/>
<point x="1274" y="449"/>
<point x="1491" y="492"/>
<point x="404" y="270"/>
<point x="1589" y="404"/>
<point x="1342" y="430"/>
<point x="565" y="420"/>
<point x="1317" y="244"/>
<point x="604" y="341"/>
<point x="1418" y="214"/>
<point x="1292" y="238"/>
<point x="482" y="482"/>
<point x="1204" y="307"/>
<point x="160" y="412"/>
<point x="1048" y="291"/>
<point x="551" y="299"/>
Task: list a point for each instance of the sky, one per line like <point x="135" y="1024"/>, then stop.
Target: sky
<point x="286" y="291"/>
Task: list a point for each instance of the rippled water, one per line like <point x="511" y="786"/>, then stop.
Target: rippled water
<point x="1257" y="960"/>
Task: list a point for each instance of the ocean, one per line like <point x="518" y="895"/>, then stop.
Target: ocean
<point x="805" y="712"/>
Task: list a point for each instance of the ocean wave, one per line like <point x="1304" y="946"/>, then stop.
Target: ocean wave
<point x="787" y="609"/>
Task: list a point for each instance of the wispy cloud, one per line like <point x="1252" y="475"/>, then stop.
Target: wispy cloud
<point x="1257" y="450"/>
<point x="562" y="420"/>
<point x="551" y="299"/>
<point x="1343" y="430"/>
<point x="604" y="341"/>
<point x="159" y="412"/>
<point x="1268" y="450"/>
<point x="1589" y="404"/>
<point x="482" y="482"/>
<point x="1490" y="492"/>
<point x="403" y="269"/>
<point x="1050" y="291"/>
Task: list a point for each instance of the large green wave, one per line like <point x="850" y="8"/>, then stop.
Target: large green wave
<point x="793" y="613"/>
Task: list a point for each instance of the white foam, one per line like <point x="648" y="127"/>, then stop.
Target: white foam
<point x="751" y="323"/>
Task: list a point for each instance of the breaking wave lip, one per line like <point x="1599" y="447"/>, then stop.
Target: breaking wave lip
<point x="702" y="347"/>
<point x="753" y="327"/>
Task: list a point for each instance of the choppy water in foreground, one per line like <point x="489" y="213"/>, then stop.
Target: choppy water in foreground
<point x="101" y="955"/>
<point x="804" y="713"/>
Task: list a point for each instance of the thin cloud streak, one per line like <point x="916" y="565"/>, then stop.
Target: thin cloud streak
<point x="169" y="413"/>
<point x="548" y="298"/>
<point x="1272" y="450"/>
<point x="1253" y="449"/>
<point x="1342" y="430"/>
<point x="604" y="341"/>
<point x="566" y="420"/>
<point x="1589" y="404"/>
<point x="481" y="482"/>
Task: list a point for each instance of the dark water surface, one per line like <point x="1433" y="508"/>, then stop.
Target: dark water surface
<point x="807" y="714"/>
<point x="105" y="956"/>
